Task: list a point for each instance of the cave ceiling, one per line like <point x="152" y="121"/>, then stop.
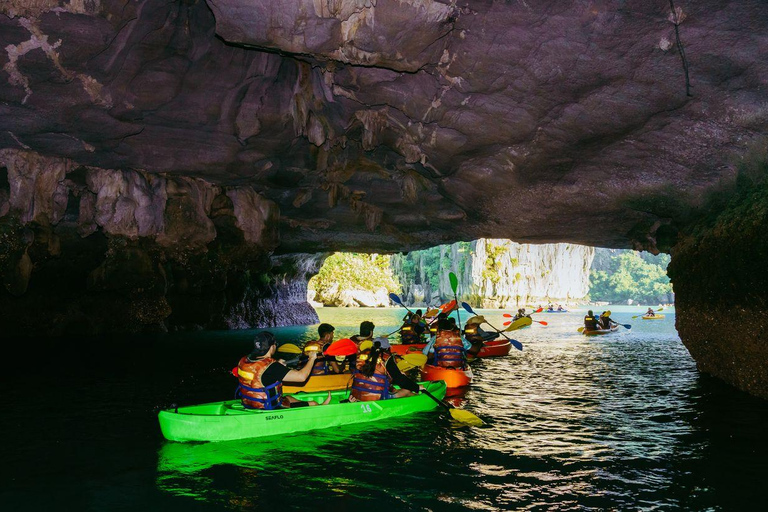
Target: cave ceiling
<point x="391" y="125"/>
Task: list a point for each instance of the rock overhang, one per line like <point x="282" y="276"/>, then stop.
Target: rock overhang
<point x="397" y="125"/>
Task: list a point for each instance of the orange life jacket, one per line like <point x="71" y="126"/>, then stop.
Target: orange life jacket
<point x="251" y="389"/>
<point x="321" y="363"/>
<point x="375" y="387"/>
<point x="449" y="350"/>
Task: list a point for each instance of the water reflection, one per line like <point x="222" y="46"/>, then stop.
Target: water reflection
<point x="620" y="422"/>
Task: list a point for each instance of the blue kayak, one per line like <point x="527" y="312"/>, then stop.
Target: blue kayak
<point x="555" y="311"/>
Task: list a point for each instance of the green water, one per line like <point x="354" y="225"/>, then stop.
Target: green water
<point x="571" y="423"/>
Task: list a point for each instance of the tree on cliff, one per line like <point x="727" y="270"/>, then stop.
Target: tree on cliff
<point x="630" y="276"/>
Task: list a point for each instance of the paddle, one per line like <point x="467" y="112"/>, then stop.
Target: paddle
<point x="461" y="415"/>
<point x="510" y="316"/>
<point x="515" y="343"/>
<point x="410" y="361"/>
<point x="638" y="316"/>
<point x="394" y="298"/>
<point x="455" y="286"/>
<point x="342" y="347"/>
<point x="289" y="348"/>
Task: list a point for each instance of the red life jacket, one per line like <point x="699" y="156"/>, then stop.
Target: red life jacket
<point x="375" y="387"/>
<point x="449" y="350"/>
<point x="251" y="389"/>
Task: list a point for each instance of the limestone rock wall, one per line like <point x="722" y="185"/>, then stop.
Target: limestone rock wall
<point x="85" y="250"/>
<point x="500" y="273"/>
<point x="721" y="291"/>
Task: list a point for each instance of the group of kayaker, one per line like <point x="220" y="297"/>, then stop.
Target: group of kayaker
<point x="597" y="323"/>
<point x="373" y="367"/>
<point x="374" y="370"/>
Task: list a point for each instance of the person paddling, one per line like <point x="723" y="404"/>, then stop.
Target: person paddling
<point x="448" y="346"/>
<point x="650" y="312"/>
<point x="606" y="321"/>
<point x="375" y="374"/>
<point x="590" y="322"/>
<point x="323" y="365"/>
<point x="475" y="335"/>
<point x="412" y="329"/>
<point x="520" y="314"/>
<point x="260" y="377"/>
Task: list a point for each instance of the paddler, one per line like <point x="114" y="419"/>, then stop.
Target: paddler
<point x="261" y="377"/>
<point x="606" y="321"/>
<point x="474" y="334"/>
<point x="448" y="346"/>
<point x="365" y="334"/>
<point x="412" y="329"/>
<point x="650" y="312"/>
<point x="323" y="365"/>
<point x="520" y="314"/>
<point x="375" y="374"/>
<point x="590" y="322"/>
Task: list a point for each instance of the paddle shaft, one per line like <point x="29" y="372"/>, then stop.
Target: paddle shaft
<point x="433" y="397"/>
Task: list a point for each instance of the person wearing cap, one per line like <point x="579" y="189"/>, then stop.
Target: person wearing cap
<point x="376" y="372"/>
<point x="606" y="322"/>
<point x="260" y="377"/>
<point x="476" y="335"/>
<point x="448" y="346"/>
<point x="323" y="365"/>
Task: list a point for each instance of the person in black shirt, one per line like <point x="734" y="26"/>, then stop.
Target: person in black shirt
<point x="260" y="377"/>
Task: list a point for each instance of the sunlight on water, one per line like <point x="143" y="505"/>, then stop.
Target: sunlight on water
<point x="616" y="422"/>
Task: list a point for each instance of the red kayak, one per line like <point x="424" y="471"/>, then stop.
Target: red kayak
<point x="407" y="349"/>
<point x="453" y="378"/>
<point x="495" y="348"/>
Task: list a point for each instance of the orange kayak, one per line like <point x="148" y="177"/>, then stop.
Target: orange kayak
<point x="495" y="348"/>
<point x="407" y="348"/>
<point x="453" y="378"/>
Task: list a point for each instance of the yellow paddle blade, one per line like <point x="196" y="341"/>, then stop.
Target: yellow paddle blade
<point x="660" y="309"/>
<point x="404" y="365"/>
<point x="432" y="313"/>
<point x="366" y="345"/>
<point x="289" y="348"/>
<point x="466" y="417"/>
<point x="417" y="359"/>
<point x="580" y="329"/>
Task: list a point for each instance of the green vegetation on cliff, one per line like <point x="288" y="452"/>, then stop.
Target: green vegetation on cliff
<point x="355" y="271"/>
<point x="623" y="275"/>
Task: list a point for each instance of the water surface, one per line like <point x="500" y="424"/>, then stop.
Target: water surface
<point x="615" y="422"/>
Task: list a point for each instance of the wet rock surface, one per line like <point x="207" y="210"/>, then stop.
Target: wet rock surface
<point x="720" y="282"/>
<point x="396" y="125"/>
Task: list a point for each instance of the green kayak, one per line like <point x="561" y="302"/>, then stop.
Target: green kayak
<point x="227" y="421"/>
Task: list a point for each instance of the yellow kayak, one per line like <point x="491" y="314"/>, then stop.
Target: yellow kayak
<point x="655" y="317"/>
<point x="330" y="382"/>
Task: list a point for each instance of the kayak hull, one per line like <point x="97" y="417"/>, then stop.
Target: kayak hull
<point x="453" y="378"/>
<point x="495" y="348"/>
<point x="320" y="383"/>
<point x="554" y="311"/>
<point x="655" y="317"/>
<point x="229" y="420"/>
<point x="600" y="332"/>
<point x="407" y="349"/>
